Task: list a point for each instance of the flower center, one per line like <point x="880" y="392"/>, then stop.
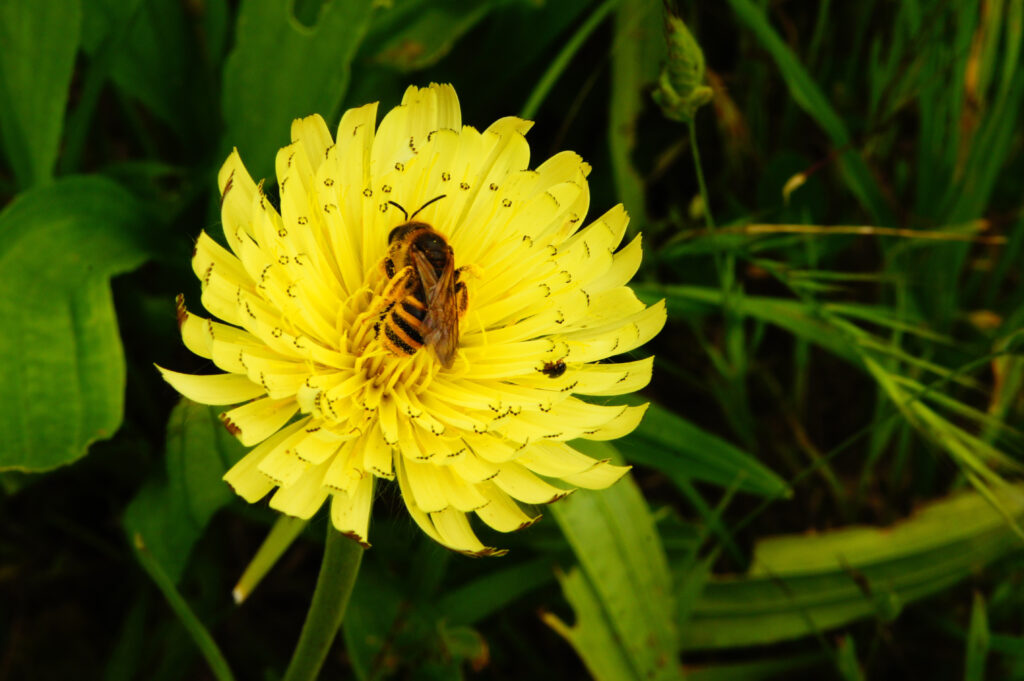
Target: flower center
<point x="386" y="341"/>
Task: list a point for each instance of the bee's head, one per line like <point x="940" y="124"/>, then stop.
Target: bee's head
<point x="399" y="233"/>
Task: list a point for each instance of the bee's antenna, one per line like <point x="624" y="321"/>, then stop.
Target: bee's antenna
<point x="403" y="210"/>
<point x="436" y="198"/>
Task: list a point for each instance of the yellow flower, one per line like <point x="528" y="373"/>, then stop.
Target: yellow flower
<point x="531" y="303"/>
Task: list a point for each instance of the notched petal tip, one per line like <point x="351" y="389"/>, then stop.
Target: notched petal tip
<point x="560" y="495"/>
<point x="357" y="538"/>
<point x="180" y="311"/>
<point x="529" y="523"/>
<point x="485" y="552"/>
<point x="231" y="426"/>
<point x="228" y="184"/>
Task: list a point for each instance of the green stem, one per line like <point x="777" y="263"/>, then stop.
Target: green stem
<point x="338" y="571"/>
<point x="709" y="220"/>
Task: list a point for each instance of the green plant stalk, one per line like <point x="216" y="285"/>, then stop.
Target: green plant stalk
<point x="342" y="557"/>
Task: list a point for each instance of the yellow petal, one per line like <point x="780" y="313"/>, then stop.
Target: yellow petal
<point x="426" y="486"/>
<point x="523" y="485"/>
<point x="313" y="138"/>
<point x="245" y="477"/>
<point x="602" y="475"/>
<point x="624" y="265"/>
<point x="214" y="389"/>
<point x="350" y="513"/>
<point x="237" y="192"/>
<point x="502" y="512"/>
<point x="377" y="455"/>
<point x="346" y="468"/>
<point x="455" y="533"/>
<point x="460" y="494"/>
<point x="303" y="497"/>
<point x="555" y="459"/>
<point x="254" y="422"/>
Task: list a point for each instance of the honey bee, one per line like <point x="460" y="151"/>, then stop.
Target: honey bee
<point x="553" y="369"/>
<point x="425" y="297"/>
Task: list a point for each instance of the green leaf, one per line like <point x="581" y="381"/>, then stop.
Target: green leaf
<point x="171" y="510"/>
<point x="160" y="62"/>
<point x="62" y="243"/>
<point x="280" y="70"/>
<point x="39" y="42"/>
<point x="415" y="34"/>
<point x="593" y="636"/>
<point x="625" y="611"/>
<point x="802" y="584"/>
<point x="683" y="451"/>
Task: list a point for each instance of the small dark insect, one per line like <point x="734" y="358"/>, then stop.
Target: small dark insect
<point x="553" y="369"/>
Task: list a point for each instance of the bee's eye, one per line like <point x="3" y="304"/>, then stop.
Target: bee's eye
<point x="431" y="242"/>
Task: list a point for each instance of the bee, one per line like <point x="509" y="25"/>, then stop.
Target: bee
<point x="425" y="297"/>
<point x="553" y="369"/>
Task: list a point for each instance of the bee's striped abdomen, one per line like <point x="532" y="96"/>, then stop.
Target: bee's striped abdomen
<point x="401" y="322"/>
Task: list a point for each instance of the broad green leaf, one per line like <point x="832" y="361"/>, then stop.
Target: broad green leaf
<point x="683" y="451"/>
<point x="65" y="387"/>
<point x="623" y="591"/>
<point x="160" y="62"/>
<point x="802" y="584"/>
<point x="414" y="34"/>
<point x="280" y="70"/>
<point x="809" y="97"/>
<point x="172" y="509"/>
<point x="593" y="636"/>
<point x="40" y="40"/>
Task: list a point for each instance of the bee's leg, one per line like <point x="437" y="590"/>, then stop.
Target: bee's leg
<point x="461" y="297"/>
<point x="475" y="270"/>
<point x="397" y="288"/>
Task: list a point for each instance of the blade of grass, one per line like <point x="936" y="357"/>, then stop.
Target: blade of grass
<point x="808" y="96"/>
<point x="214" y="658"/>
<point x="561" y="61"/>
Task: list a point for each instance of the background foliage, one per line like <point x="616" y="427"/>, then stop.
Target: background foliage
<point x="825" y="486"/>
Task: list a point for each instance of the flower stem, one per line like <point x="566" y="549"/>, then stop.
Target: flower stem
<point x="338" y="571"/>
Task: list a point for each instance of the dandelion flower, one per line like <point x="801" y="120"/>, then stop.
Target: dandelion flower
<point x="343" y="374"/>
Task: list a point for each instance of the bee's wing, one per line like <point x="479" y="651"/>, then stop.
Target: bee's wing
<point x="441" y="324"/>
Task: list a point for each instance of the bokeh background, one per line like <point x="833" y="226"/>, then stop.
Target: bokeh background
<point x="826" y="485"/>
